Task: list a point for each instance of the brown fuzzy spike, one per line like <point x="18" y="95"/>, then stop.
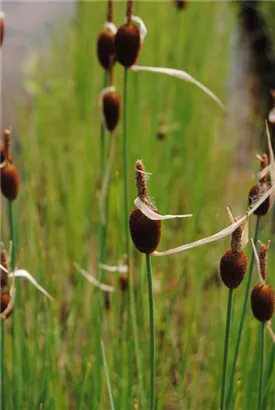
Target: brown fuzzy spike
<point x="9" y="181"/>
<point x="141" y="183"/>
<point x="4" y="300"/>
<point x="106" y="49"/>
<point x="127" y="44"/>
<point x="255" y="193"/>
<point x="263" y="259"/>
<point x="2" y="30"/>
<point x="262" y="302"/>
<point x="236" y="240"/>
<point x="233" y="267"/>
<point x="145" y="233"/>
<point x="111" y="110"/>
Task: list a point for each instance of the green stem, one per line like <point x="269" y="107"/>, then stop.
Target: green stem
<point x="12" y="235"/>
<point x="107" y="377"/>
<point x="125" y="168"/>
<point x="240" y="331"/>
<point x="152" y="331"/>
<point x="3" y="374"/>
<point x="226" y="345"/>
<point x="261" y="373"/>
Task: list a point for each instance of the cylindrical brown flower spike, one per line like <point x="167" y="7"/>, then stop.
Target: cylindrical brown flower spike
<point x="259" y="189"/>
<point x="145" y="232"/>
<point x="9" y="173"/>
<point x="262" y="295"/>
<point x="106" y="49"/>
<point x="111" y="109"/>
<point x="262" y="302"/>
<point x="233" y="264"/>
<point x="127" y="44"/>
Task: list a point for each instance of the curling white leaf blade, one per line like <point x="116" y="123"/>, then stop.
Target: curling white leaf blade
<point x="181" y="75"/>
<point x="219" y="235"/>
<point x="94" y="281"/>
<point x="257" y="261"/>
<point x="142" y="28"/>
<point x="22" y="273"/>
<point x="113" y="268"/>
<point x="154" y="216"/>
<point x="271" y="116"/>
<point x="261" y="174"/>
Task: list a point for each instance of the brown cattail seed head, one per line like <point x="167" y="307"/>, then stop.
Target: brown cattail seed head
<point x="127" y="44"/>
<point x="262" y="302"/>
<point x="2" y="28"/>
<point x="111" y="110"/>
<point x="123" y="282"/>
<point x="5" y="264"/>
<point x="106" y="49"/>
<point x="145" y="233"/>
<point x="4" y="300"/>
<point x="255" y="193"/>
<point x="263" y="259"/>
<point x="233" y="267"/>
<point x="9" y="181"/>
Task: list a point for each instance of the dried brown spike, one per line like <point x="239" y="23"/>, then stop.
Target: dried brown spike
<point x="5" y="263"/>
<point x="111" y="110"/>
<point x="263" y="259"/>
<point x="2" y="29"/>
<point x="236" y="240"/>
<point x="106" y="49"/>
<point x="255" y="193"/>
<point x="262" y="302"/>
<point x="4" y="300"/>
<point x="145" y="233"/>
<point x="123" y="282"/>
<point x="141" y="183"/>
<point x="9" y="181"/>
<point x="127" y="44"/>
<point x="233" y="267"/>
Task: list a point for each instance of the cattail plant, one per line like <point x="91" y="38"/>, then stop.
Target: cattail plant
<point x="262" y="304"/>
<point x="233" y="267"/>
<point x="259" y="189"/>
<point x="146" y="233"/>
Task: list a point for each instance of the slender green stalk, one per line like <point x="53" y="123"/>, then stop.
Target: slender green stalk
<point x="125" y="168"/>
<point x="226" y="345"/>
<point x="3" y="375"/>
<point x="240" y="331"/>
<point x="12" y="235"/>
<point x="261" y="370"/>
<point x="107" y="376"/>
<point x="17" y="357"/>
<point x="152" y="331"/>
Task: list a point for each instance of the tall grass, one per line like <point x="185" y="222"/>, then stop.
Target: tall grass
<point x="58" y="209"/>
